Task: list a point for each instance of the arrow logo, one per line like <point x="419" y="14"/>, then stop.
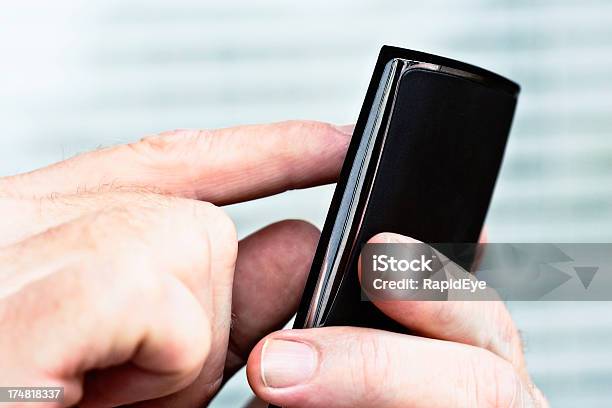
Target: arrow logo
<point x="586" y="274"/>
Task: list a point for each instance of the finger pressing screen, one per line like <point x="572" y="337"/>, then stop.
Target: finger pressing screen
<point x="221" y="166"/>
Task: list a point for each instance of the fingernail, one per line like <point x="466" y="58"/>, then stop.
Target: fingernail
<point x="345" y="129"/>
<point x="285" y="363"/>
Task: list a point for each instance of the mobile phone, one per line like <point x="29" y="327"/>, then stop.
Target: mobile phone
<point x="422" y="162"/>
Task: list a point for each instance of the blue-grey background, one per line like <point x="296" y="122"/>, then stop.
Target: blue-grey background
<point x="78" y="74"/>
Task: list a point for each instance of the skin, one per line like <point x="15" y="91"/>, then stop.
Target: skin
<point x="122" y="280"/>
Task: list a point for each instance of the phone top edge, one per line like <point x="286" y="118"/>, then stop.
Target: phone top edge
<point x="388" y="52"/>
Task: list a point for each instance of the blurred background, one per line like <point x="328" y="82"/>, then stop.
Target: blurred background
<point x="75" y="75"/>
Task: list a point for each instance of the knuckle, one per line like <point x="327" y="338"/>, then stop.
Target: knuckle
<point x="445" y="313"/>
<point x="506" y="385"/>
<point x="184" y="215"/>
<point x="491" y="381"/>
<point x="507" y="330"/>
<point x="298" y="229"/>
<point x="160" y="232"/>
<point x="312" y="135"/>
<point x="133" y="222"/>
<point x="208" y="224"/>
<point x="311" y="139"/>
<point x="95" y="233"/>
<point x="187" y="351"/>
<point x="308" y="126"/>
<point x="125" y="260"/>
<point x="174" y="152"/>
<point x="220" y="225"/>
<point x="193" y="222"/>
<point x="184" y="328"/>
<point x="169" y="143"/>
<point x="506" y="341"/>
<point x="375" y="369"/>
<point x="149" y="232"/>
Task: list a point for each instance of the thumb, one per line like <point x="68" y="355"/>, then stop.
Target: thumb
<point x="356" y="367"/>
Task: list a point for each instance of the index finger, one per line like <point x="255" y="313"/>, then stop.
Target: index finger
<point x="221" y="166"/>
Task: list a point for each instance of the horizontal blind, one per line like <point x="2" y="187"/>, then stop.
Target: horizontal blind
<point x="78" y="74"/>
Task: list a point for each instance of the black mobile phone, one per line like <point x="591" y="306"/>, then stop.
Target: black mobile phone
<point x="422" y="162"/>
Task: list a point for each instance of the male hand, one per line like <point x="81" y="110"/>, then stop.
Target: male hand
<point x="117" y="268"/>
<point x="462" y="354"/>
